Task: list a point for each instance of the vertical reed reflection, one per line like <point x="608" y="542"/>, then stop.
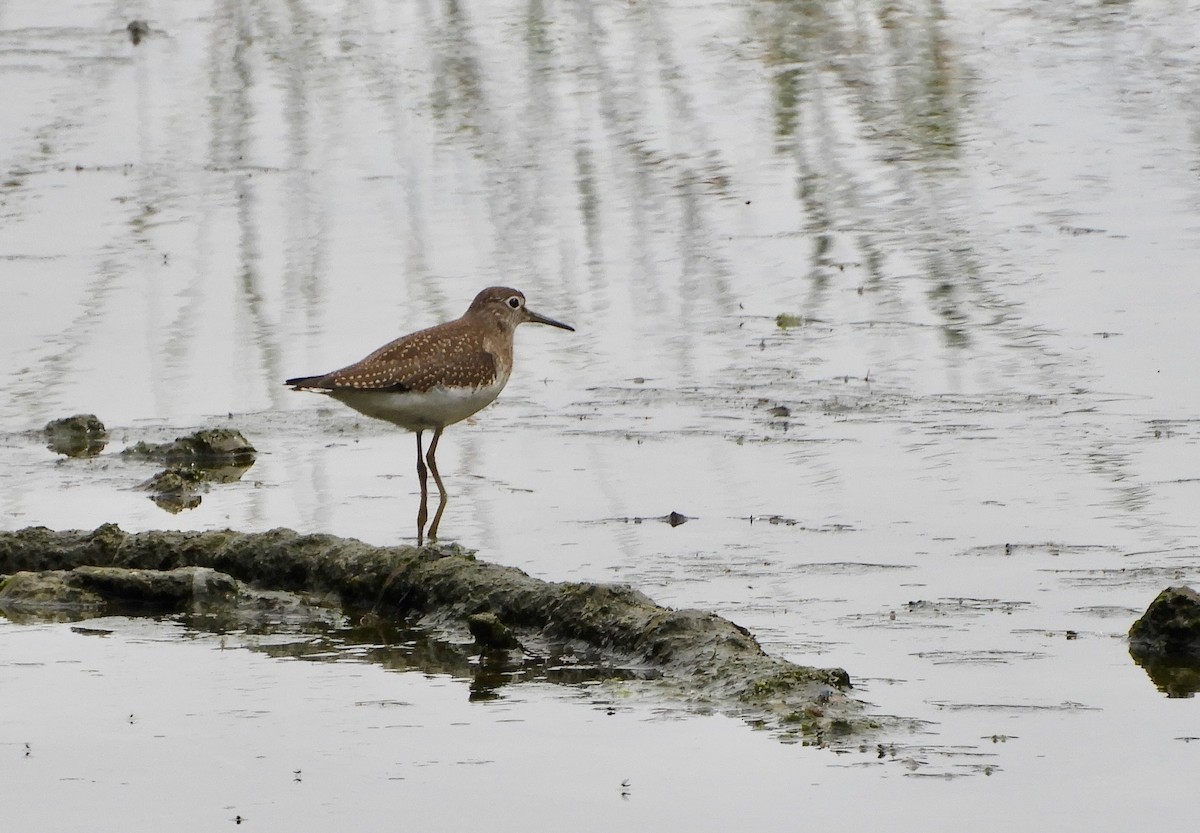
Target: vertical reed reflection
<point x="326" y="175"/>
<point x="880" y="80"/>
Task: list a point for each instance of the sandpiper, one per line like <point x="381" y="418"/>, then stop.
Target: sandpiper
<point x="436" y="377"/>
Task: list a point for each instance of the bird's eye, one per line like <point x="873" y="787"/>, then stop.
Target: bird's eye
<point x="515" y="301"/>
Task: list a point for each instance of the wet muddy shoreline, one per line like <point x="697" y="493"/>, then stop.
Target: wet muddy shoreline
<point x="708" y="661"/>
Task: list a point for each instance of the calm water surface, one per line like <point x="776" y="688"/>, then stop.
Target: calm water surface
<point x="978" y="429"/>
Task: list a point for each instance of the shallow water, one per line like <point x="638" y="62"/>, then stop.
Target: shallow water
<point x="981" y="433"/>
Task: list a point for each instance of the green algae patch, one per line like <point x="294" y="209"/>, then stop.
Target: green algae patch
<point x="796" y="678"/>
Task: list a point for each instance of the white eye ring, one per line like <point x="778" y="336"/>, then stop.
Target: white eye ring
<point x="514" y="301"/>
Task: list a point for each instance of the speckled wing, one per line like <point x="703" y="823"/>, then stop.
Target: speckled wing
<point x="445" y="355"/>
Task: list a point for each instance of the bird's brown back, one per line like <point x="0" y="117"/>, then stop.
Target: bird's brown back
<point x="454" y="354"/>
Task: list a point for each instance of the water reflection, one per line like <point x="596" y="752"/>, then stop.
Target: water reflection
<point x="397" y="647"/>
<point x="1176" y="680"/>
<point x="880" y="80"/>
<point x="579" y="148"/>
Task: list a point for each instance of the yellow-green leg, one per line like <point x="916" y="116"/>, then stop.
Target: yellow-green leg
<point x="437" y="478"/>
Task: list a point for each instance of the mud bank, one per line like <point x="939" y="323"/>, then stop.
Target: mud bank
<point x="698" y="657"/>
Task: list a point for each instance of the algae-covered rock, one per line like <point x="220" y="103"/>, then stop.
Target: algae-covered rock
<point x="47" y="591"/>
<point x="87" y="591"/>
<point x="160" y="588"/>
<point x="1170" y="627"/>
<point x="176" y="488"/>
<point x="209" y="448"/>
<point x="82" y="435"/>
<point x="212" y="455"/>
<point x="695" y="656"/>
<point x="1165" y="641"/>
<point x="90" y="587"/>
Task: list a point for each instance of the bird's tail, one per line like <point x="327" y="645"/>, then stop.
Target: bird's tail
<point x="301" y="382"/>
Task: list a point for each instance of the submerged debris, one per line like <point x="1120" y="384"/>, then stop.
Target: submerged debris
<point x="137" y="30"/>
<point x="676" y="518"/>
<point x="695" y="656"/>
<point x="82" y="435"/>
<point x="672" y="518"/>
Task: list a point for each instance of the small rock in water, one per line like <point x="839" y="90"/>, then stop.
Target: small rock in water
<point x="208" y="448"/>
<point x="82" y="435"/>
<point x="177" y="488"/>
<point x="1170" y="627"/>
<point x="137" y="30"/>
<point x="1165" y="641"/>
<point x="211" y="455"/>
